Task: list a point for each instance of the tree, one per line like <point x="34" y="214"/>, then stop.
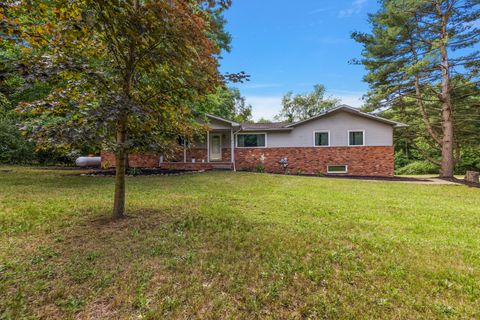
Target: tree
<point x="412" y="55"/>
<point x="123" y="73"/>
<point x="227" y="103"/>
<point x="264" y="120"/>
<point x="303" y="106"/>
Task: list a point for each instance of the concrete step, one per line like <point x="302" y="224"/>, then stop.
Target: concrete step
<point x="222" y="166"/>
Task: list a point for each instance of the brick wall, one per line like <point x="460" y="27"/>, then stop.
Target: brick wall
<point x="361" y="161"/>
<point x="139" y="160"/>
<point x="143" y="160"/>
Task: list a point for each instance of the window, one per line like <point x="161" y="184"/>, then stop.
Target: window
<point x="254" y="140"/>
<point x="322" y="138"/>
<point x="337" y="169"/>
<point x="356" y="138"/>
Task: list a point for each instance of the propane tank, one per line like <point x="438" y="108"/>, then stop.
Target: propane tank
<point x="88" y="161"/>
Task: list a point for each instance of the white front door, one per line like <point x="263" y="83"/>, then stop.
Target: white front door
<point x="216" y="147"/>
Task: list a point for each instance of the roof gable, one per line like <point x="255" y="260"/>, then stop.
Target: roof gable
<point x="232" y="123"/>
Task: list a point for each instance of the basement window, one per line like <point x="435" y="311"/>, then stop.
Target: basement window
<point x="337" y="169"/>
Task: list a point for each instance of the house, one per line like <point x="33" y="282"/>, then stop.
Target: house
<point x="341" y="141"/>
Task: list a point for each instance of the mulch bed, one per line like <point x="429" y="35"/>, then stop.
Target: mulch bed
<point x="133" y="172"/>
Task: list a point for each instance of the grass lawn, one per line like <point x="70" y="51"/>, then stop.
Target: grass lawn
<point x="228" y="245"/>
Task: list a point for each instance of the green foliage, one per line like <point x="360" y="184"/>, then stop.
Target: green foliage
<point x="418" y="167"/>
<point x="260" y="168"/>
<point x="423" y="67"/>
<point x="5" y="105"/>
<point x="226" y="103"/>
<point x="137" y="69"/>
<point x="14" y="148"/>
<point x="303" y="106"/>
<point x="263" y="120"/>
<point x="470" y="160"/>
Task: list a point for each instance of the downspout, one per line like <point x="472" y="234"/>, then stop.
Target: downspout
<point x="184" y="151"/>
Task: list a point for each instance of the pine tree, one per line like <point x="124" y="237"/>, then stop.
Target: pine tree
<point x="414" y="51"/>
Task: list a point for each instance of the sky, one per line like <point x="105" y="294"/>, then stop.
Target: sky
<point x="287" y="45"/>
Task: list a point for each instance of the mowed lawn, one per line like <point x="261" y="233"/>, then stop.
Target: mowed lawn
<point x="226" y="245"/>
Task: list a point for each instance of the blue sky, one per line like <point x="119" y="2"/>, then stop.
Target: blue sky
<point x="289" y="45"/>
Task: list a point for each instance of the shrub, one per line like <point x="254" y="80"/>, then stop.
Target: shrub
<point x="14" y="148"/>
<point x="469" y="160"/>
<point x="260" y="168"/>
<point x="418" y="167"/>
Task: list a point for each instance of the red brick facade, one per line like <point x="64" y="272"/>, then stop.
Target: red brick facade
<point x="361" y="161"/>
<point x="139" y="160"/>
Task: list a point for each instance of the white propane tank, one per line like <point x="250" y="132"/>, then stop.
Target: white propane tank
<point x="88" y="161"/>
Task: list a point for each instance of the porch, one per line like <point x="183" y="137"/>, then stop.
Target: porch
<point x="216" y="151"/>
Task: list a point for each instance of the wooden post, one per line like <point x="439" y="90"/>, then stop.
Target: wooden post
<point x="208" y="146"/>
<point x="232" y="149"/>
<point x="184" y="151"/>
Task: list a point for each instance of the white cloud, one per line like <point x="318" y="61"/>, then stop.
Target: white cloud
<point x="355" y="8"/>
<point x="269" y="106"/>
<point x="321" y="10"/>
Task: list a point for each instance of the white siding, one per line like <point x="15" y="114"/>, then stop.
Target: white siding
<point x="376" y="133"/>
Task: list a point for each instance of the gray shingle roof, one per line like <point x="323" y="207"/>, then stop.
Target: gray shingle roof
<point x="264" y="126"/>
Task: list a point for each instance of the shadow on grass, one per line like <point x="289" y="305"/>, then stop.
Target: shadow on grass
<point x="158" y="263"/>
<point x="182" y="262"/>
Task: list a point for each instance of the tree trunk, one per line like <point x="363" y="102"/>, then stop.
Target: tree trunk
<point x="121" y="167"/>
<point x="448" y="163"/>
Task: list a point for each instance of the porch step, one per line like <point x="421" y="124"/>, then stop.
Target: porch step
<point x="222" y="166"/>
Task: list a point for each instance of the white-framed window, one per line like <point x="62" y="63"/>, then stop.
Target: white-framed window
<point x="337" y="169"/>
<point x="356" y="138"/>
<point x="251" y="140"/>
<point x="321" y="138"/>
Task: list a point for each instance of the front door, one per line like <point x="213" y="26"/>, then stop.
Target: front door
<point x="216" y="147"/>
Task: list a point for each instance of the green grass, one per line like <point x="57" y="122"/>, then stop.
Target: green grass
<point x="236" y="246"/>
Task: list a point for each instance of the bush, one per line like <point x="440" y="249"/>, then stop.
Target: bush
<point x="260" y="168"/>
<point x="418" y="167"/>
<point x="469" y="160"/>
<point x="14" y="148"/>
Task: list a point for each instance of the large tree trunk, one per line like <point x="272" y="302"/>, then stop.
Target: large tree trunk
<point x="121" y="167"/>
<point x="448" y="163"/>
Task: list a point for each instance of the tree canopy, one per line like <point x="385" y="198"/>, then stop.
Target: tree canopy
<point x="421" y="57"/>
<point x="124" y="74"/>
<point x="303" y="106"/>
<point x="227" y="103"/>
